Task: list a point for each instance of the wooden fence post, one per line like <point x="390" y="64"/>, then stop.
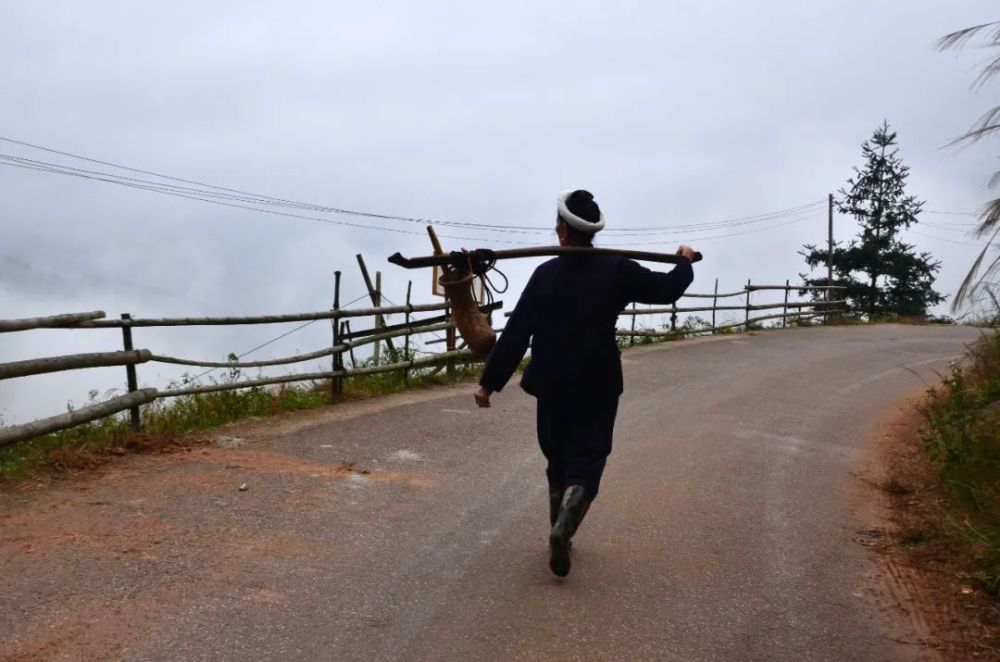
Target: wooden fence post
<point x="406" y="338"/>
<point x="130" y="374"/>
<point x="371" y="292"/>
<point x="631" y="338"/>
<point x="377" y="349"/>
<point x="345" y="332"/>
<point x="746" y="320"/>
<point x="673" y="318"/>
<point x="715" y="303"/>
<point x="336" y="386"/>
<point x="784" y="311"/>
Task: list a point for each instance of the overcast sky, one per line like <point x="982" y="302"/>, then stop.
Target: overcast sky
<point x="671" y="113"/>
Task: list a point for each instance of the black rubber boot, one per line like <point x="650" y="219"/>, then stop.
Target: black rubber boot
<point x="555" y="500"/>
<point x="571" y="512"/>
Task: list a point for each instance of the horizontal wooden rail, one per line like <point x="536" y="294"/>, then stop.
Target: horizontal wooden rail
<point x="465" y="356"/>
<point x="428" y="320"/>
<point x="14" y="433"/>
<point x="72" y="362"/>
<point x="755" y="288"/>
<point x="667" y="310"/>
<point x="720" y="295"/>
<point x="752" y="288"/>
<point x="50" y="322"/>
<point x="299" y="358"/>
<point x="656" y="333"/>
<point x="263" y="319"/>
<point x="799" y="315"/>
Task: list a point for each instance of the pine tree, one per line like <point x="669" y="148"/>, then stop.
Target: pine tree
<point x="882" y="274"/>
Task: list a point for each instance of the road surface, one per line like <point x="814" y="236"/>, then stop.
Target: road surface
<point x="414" y="527"/>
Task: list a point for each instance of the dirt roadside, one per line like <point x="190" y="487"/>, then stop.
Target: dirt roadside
<point x="922" y="556"/>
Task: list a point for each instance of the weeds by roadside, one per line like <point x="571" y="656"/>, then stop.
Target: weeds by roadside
<point x="963" y="441"/>
<point x="164" y="421"/>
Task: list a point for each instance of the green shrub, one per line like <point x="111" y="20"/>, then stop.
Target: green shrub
<point x="170" y="418"/>
<point x="963" y="440"/>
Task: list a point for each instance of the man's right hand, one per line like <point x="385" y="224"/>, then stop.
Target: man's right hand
<point x="686" y="251"/>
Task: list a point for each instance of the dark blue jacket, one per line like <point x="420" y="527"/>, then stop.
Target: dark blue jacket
<point x="568" y="313"/>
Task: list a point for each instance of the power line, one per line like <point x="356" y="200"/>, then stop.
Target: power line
<point x="259" y="209"/>
<point x="950" y="241"/>
<point x="721" y="236"/>
<point x="950" y="213"/>
<point x="75" y="172"/>
<point x="233" y="195"/>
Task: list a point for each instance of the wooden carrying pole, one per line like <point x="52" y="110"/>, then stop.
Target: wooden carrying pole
<point x="440" y="260"/>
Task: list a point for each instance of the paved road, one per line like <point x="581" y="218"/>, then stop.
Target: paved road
<point x="415" y="528"/>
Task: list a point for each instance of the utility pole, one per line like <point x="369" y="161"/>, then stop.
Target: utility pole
<point x="829" y="253"/>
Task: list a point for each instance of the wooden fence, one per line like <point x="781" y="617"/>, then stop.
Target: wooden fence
<point x="791" y="311"/>
<point x="345" y="341"/>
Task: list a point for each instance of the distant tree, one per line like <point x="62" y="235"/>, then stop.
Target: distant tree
<point x="882" y="273"/>
<point x="985" y="127"/>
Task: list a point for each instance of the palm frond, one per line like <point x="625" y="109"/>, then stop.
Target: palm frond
<point x="989" y="219"/>
<point x="969" y="282"/>
<point x="994" y="180"/>
<point x="985" y="125"/>
<point x="987" y="74"/>
<point x="959" y="38"/>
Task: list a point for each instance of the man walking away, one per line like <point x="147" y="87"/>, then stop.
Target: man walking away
<point x="568" y="313"/>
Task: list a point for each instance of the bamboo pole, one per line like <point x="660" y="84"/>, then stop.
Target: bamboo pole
<point x="713" y="296"/>
<point x="72" y="362"/>
<point x="14" y="433"/>
<point x="344" y="313"/>
<point x="50" y="322"/>
<point x="421" y="322"/>
<point x="299" y="358"/>
<point x="799" y="315"/>
<point x="755" y="288"/>
<point x="664" y="310"/>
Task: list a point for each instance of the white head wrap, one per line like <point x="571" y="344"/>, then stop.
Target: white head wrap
<point x="574" y="221"/>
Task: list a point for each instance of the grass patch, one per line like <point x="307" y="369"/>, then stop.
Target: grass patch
<point x="963" y="441"/>
<point x="165" y="421"/>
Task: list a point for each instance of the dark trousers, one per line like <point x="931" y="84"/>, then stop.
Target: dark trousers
<point x="576" y="440"/>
